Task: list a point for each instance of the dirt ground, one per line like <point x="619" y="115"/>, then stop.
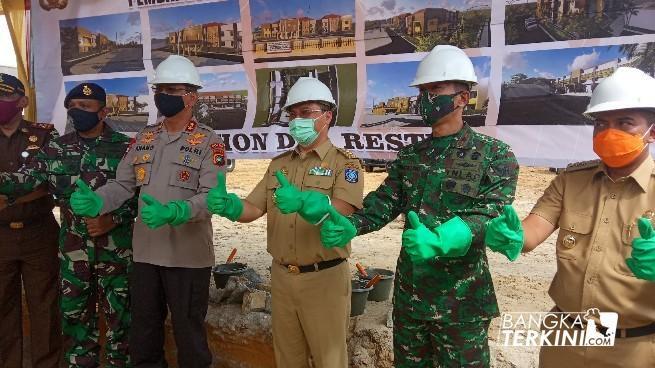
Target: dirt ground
<point x="520" y="286"/>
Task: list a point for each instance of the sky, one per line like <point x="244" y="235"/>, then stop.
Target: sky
<point x="217" y="82"/>
<point x="266" y="11"/>
<point x="383" y="9"/>
<point x="127" y="26"/>
<point x="381" y="87"/>
<point x="135" y="86"/>
<point x="557" y="63"/>
<point x="7" y="56"/>
<point x="163" y="21"/>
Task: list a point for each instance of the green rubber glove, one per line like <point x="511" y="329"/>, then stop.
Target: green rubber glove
<point x="84" y="201"/>
<point x="222" y="203"/>
<point x="154" y="214"/>
<point x="504" y="234"/>
<point x="642" y="260"/>
<point x="310" y="205"/>
<point x="337" y="230"/>
<point x="451" y="239"/>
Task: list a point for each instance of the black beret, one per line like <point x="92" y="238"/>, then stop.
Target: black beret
<point x="11" y="85"/>
<point x="86" y="91"/>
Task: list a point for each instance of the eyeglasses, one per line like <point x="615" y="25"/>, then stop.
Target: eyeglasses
<point x="174" y="91"/>
<point x="303" y="114"/>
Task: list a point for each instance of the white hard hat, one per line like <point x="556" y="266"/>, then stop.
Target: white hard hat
<point x="177" y="69"/>
<point x="445" y="63"/>
<point x="626" y="88"/>
<point x="309" y="89"/>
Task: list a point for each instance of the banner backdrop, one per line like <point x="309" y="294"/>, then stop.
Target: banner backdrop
<point x="537" y="63"/>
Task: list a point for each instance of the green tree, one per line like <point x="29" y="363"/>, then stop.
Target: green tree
<point x="644" y="55"/>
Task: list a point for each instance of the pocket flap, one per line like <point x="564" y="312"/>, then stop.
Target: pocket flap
<point x="576" y="222"/>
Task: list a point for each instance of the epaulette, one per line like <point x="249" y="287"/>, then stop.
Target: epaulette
<point x="582" y="165"/>
<point x="205" y="127"/>
<point x="347" y="153"/>
<point x="45" y="126"/>
<point x="283" y="154"/>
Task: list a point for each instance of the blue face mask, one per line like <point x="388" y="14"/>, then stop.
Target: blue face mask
<point x="302" y="130"/>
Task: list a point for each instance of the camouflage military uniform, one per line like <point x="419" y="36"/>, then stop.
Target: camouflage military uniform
<point x="442" y="307"/>
<point x="93" y="270"/>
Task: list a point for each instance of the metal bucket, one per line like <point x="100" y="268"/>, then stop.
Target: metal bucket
<point x="382" y="289"/>
<point x="358" y="297"/>
<point x="222" y="272"/>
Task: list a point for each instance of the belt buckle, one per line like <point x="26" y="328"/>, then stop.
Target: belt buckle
<point x="16" y="225"/>
<point x="293" y="269"/>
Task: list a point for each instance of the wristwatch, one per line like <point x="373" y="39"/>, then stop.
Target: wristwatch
<point x="116" y="219"/>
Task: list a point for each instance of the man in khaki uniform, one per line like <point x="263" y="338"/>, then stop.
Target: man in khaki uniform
<point x="176" y="160"/>
<point x="310" y="284"/>
<point x="606" y="244"/>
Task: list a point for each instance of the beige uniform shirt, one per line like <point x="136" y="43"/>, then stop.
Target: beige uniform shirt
<point x="326" y="169"/>
<point x="182" y="166"/>
<point x="597" y="220"/>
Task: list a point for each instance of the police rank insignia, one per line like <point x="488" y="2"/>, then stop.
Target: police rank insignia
<point x="320" y="171"/>
<point x="87" y="91"/>
<point x="218" y="153"/>
<point x="140" y="173"/>
<point x="351" y="175"/>
<point x="196" y="139"/>
<point x="148" y="137"/>
<point x="191" y="126"/>
<point x="184" y="175"/>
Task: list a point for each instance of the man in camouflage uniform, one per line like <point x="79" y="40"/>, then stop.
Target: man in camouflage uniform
<point x="28" y="241"/>
<point x="95" y="253"/>
<point x="449" y="186"/>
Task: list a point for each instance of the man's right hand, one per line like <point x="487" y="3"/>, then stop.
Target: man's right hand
<point x="337" y="230"/>
<point x="84" y="201"/>
<point x="504" y="234"/>
<point x="222" y="203"/>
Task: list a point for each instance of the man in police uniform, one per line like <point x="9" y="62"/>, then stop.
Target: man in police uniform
<point x="310" y="284"/>
<point x="95" y="253"/>
<point x="606" y="243"/>
<point x="448" y="186"/>
<point x="28" y="238"/>
<point x="176" y="161"/>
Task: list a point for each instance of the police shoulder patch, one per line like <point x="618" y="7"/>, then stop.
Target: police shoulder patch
<point x="582" y="165"/>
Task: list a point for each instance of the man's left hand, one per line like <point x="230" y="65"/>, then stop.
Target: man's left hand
<point x="98" y="226"/>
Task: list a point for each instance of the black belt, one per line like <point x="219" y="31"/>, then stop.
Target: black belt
<point x="620" y="332"/>
<point x="314" y="267"/>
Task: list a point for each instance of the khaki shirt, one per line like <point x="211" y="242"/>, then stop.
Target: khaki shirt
<point x="597" y="220"/>
<point x="182" y="166"/>
<point x="326" y="169"/>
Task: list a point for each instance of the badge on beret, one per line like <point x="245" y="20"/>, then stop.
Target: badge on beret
<point x="140" y="173"/>
<point x="351" y="175"/>
<point x="184" y="175"/>
<point x="87" y="90"/>
<point x="33" y="138"/>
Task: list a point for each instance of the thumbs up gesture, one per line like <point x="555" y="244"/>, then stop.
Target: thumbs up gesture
<point x="84" y="201"/>
<point x="337" y="230"/>
<point x="222" y="203"/>
<point x="287" y="197"/>
<point x="504" y="234"/>
<point x="450" y="239"/>
<point x="642" y="260"/>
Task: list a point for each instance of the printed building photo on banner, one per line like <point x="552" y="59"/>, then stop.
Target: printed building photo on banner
<point x="404" y="26"/>
<point x="273" y="86"/>
<point x="534" y="21"/>
<point x="102" y="44"/>
<point x="553" y="87"/>
<point x="208" y="34"/>
<point x="127" y="102"/>
<point x="223" y="100"/>
<point x="390" y="102"/>
<point x="302" y="29"/>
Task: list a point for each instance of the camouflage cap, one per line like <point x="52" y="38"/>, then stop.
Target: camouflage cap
<point x="86" y="91"/>
<point x="11" y="85"/>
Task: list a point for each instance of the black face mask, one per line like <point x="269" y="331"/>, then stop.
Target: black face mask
<point x="83" y="121"/>
<point x="169" y="105"/>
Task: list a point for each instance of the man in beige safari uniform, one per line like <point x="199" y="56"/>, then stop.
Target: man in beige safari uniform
<point x="177" y="161"/>
<point x="310" y="283"/>
<point x="604" y="210"/>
